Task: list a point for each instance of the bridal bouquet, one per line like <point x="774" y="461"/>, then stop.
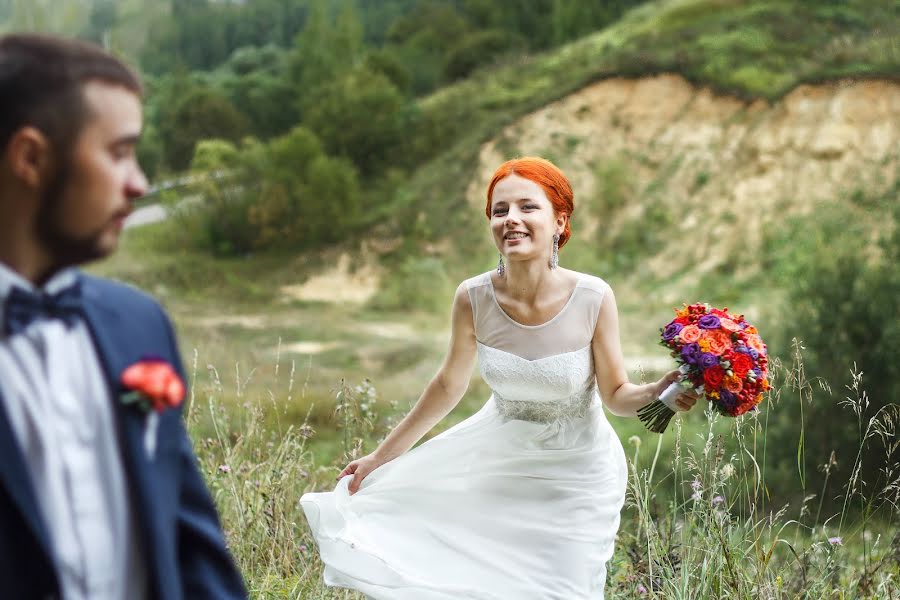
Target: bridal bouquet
<point x="720" y="355"/>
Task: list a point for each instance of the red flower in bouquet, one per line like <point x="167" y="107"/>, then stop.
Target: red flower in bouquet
<point x="153" y="384"/>
<point x="720" y="354"/>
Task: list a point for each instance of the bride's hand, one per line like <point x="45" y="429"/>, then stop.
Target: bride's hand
<point x="686" y="399"/>
<point x="360" y="469"/>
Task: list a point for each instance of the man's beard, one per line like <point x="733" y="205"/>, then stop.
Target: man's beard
<point x="64" y="248"/>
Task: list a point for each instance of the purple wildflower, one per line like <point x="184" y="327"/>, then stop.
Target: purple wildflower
<point x="835" y="541"/>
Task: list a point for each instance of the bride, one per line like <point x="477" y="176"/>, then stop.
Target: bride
<point x="520" y="501"/>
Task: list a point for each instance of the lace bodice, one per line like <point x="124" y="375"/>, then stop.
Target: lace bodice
<point x="544" y="372"/>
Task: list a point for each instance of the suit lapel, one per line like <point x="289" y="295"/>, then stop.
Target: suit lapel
<point x="14" y="477"/>
<point x="116" y="351"/>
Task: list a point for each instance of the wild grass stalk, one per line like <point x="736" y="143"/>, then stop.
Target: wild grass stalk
<point x="704" y="529"/>
<point x="698" y="525"/>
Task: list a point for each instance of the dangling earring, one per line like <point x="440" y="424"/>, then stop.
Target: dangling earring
<point x="501" y="268"/>
<point x="554" y="255"/>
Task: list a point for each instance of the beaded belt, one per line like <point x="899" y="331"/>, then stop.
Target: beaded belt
<point x="545" y="411"/>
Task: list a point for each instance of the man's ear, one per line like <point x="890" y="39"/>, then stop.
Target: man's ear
<point x="30" y="156"/>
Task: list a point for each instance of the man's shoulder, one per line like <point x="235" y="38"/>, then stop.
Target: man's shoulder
<point x="117" y="294"/>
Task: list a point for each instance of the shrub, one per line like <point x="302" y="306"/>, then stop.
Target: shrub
<point x="841" y="303"/>
<point x="479" y="49"/>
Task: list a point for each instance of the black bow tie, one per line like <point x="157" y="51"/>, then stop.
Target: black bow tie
<point x="22" y="308"/>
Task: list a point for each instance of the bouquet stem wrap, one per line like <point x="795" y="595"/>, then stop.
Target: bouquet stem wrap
<point x="656" y="415"/>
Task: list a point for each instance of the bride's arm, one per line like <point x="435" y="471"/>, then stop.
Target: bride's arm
<point x="445" y="389"/>
<point x="620" y="396"/>
<point x="442" y="393"/>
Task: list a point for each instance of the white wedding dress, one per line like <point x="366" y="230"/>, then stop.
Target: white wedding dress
<point x="520" y="501"/>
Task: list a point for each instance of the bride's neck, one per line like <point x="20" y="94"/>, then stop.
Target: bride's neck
<point x="524" y="281"/>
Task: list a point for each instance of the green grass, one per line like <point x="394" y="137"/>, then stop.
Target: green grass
<point x="699" y="522"/>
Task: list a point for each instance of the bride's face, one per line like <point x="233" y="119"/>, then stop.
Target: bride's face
<point x="523" y="219"/>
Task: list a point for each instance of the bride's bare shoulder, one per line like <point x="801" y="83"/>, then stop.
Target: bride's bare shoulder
<point x="591" y="282"/>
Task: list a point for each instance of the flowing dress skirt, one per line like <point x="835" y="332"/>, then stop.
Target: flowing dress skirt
<point x="491" y="509"/>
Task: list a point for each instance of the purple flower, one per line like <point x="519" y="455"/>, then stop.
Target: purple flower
<point x="696" y="485"/>
<point x="641" y="589"/>
<point x="708" y="359"/>
<point x="727" y="399"/>
<point x="691" y="353"/>
<point x="709" y="322"/>
<point x="718" y="500"/>
<point x="835" y="541"/>
<point x="671" y="331"/>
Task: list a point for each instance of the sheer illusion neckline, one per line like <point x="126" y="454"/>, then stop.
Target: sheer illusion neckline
<point x="545" y="323"/>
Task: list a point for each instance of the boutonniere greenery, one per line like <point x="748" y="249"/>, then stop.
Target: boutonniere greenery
<point x="152" y="384"/>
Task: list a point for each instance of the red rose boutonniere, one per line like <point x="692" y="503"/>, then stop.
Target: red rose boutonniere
<point x="153" y="383"/>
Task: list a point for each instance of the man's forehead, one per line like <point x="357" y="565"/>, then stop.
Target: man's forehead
<point x="112" y="106"/>
<point x="100" y="92"/>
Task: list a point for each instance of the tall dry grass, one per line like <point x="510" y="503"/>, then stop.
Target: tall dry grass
<point x="699" y="525"/>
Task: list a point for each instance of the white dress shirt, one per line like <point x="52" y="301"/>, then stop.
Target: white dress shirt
<point x="59" y="407"/>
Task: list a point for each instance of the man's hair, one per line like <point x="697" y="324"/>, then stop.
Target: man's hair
<point x="41" y="85"/>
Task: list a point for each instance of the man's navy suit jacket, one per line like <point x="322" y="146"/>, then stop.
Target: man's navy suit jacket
<point x="178" y="527"/>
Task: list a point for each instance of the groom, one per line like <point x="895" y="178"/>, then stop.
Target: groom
<point x="100" y="494"/>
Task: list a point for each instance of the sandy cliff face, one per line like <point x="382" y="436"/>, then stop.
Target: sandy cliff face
<point x="661" y="153"/>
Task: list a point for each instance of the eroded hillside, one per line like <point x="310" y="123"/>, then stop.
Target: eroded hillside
<point x="673" y="181"/>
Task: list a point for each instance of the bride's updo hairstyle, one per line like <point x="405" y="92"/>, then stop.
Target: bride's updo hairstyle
<point x="545" y="174"/>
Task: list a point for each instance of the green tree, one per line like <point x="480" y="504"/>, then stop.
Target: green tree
<point x="214" y="155"/>
<point x="362" y="117"/>
<point x="422" y="39"/>
<point x="257" y="83"/>
<point x="479" y="49"/>
<point x="387" y="62"/>
<point x="285" y="194"/>
<point x="199" y="113"/>
<point x="315" y="60"/>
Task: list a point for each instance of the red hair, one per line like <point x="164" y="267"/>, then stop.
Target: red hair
<point x="545" y="174"/>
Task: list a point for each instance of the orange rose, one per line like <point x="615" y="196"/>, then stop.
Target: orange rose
<point x="718" y="341"/>
<point x="689" y="334"/>
<point x="755" y="342"/>
<point x="733" y="384"/>
<point x="729" y="325"/>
